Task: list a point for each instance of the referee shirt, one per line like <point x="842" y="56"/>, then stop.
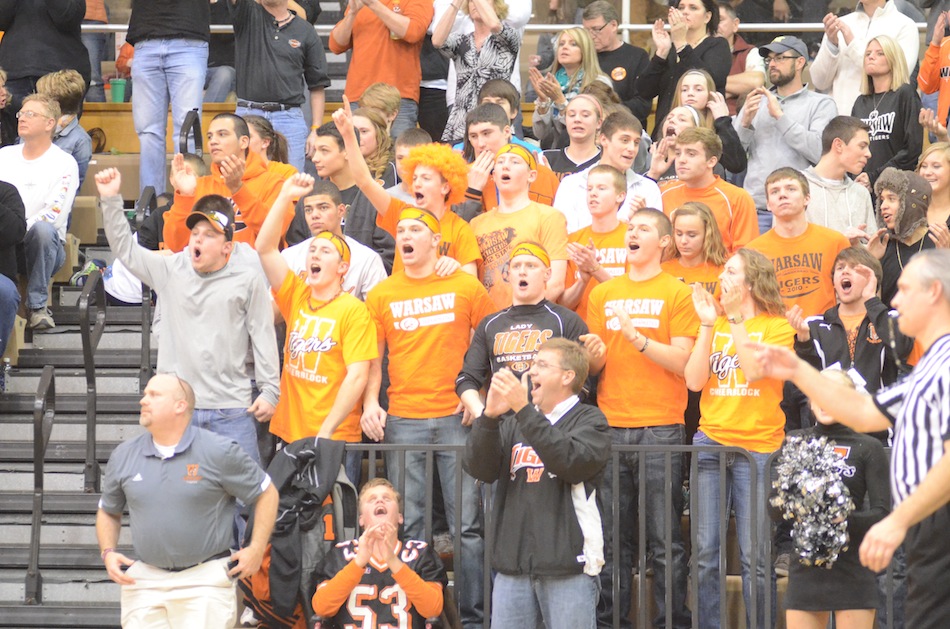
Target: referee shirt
<point x="181" y="508"/>
<point x="919" y="408"/>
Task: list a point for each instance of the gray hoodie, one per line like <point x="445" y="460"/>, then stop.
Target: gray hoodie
<point x="209" y="320"/>
<point x="838" y="204"/>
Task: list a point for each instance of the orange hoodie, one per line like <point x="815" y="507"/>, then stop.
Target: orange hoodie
<point x="252" y="201"/>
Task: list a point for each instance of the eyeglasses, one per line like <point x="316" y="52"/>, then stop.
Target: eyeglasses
<point x="776" y="59"/>
<point x="540" y="364"/>
<point x="594" y="31"/>
<point x="30" y="115"/>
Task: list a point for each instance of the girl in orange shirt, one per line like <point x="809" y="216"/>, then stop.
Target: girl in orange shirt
<point x="739" y="409"/>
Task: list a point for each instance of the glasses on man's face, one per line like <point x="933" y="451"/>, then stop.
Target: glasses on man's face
<point x="30" y="115"/>
<point x="770" y="60"/>
<point x="594" y="31"/>
<point x="540" y="364"/>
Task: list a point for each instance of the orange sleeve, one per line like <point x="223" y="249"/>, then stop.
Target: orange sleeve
<point x="420" y="15"/>
<point x="255" y="202"/>
<point x="175" y="232"/>
<point x="334" y="46"/>
<point x="482" y="304"/>
<point x="466" y="245"/>
<point x="553" y="235"/>
<point x="331" y="595"/>
<point x="425" y="596"/>
<point x="390" y="219"/>
<point x="745" y="221"/>
<point x="928" y="78"/>
<point x="544" y="188"/>
<point x="123" y="62"/>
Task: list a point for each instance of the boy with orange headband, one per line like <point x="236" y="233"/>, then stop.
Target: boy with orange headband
<point x="517" y="218"/>
<point x="426" y="321"/>
<point x="439" y="177"/>
<point x="330" y="339"/>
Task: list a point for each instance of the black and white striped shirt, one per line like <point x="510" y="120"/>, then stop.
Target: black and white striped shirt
<point x="919" y="407"/>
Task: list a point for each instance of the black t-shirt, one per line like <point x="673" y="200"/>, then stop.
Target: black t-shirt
<point x="623" y="65"/>
<point x="169" y="19"/>
<point x="275" y="63"/>
<point x="221" y="48"/>
<point x="562" y="165"/>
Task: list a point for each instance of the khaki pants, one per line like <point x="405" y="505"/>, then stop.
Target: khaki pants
<point x="201" y="597"/>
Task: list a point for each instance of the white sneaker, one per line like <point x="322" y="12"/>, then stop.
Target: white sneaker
<point x="41" y="319"/>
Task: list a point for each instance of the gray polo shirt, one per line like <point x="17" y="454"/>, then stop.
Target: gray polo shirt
<point x="181" y="508"/>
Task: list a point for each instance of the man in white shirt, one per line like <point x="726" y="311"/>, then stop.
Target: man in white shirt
<point x="46" y="178"/>
<point x="324" y="210"/>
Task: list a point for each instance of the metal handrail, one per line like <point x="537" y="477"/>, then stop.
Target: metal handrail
<point x="44" y="412"/>
<point x="92" y="292"/>
<point x="191" y="125"/>
<point x="146" y="204"/>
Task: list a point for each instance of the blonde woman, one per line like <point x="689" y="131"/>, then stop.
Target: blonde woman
<point x="375" y="144"/>
<point x="889" y="105"/>
<point x="575" y="67"/>
<point x="697" y="89"/>
<point x="934" y="167"/>
<point x="485" y="54"/>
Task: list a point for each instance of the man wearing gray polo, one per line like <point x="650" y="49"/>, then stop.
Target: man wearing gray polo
<point x="179" y="484"/>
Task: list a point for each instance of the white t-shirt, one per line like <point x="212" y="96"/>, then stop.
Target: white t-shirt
<point x="46" y="184"/>
<point x="571" y="198"/>
<point x="366" y="267"/>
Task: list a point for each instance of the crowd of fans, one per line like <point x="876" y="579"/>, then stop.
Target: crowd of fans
<point x="441" y="274"/>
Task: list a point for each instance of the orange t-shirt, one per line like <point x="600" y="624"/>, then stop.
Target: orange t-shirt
<point x="458" y="239"/>
<point x="732" y="206"/>
<point x="541" y="190"/>
<point x="803" y="265"/>
<point x="427" y="324"/>
<point x="734" y="411"/>
<point x="612" y="253"/>
<point x="497" y="233"/>
<point x="321" y="343"/>
<point x="705" y="274"/>
<point x="253" y="200"/>
<point x="633" y="391"/>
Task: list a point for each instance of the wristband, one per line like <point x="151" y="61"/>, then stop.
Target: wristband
<point x="106" y="552"/>
<point x="646" y="342"/>
<point x="706" y="325"/>
<point x="736" y="319"/>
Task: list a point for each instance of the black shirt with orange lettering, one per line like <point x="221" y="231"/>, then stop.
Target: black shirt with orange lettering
<point x="511" y="338"/>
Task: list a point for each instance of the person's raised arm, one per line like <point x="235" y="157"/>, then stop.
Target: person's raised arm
<point x="486" y="10"/>
<point x="268" y="238"/>
<point x="397" y="23"/>
<point x="443" y="28"/>
<point x="377" y="195"/>
<point x="341" y="37"/>
<point x="697" y="366"/>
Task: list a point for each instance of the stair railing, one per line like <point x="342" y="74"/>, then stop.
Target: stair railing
<point x="146" y="204"/>
<point x="44" y="412"/>
<point x="191" y="126"/>
<point x="93" y="293"/>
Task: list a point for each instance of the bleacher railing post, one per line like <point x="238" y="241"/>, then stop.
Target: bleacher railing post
<point x="93" y="291"/>
<point x="44" y="413"/>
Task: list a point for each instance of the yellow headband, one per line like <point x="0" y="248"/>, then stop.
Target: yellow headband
<point x="338" y="243"/>
<point x="531" y="249"/>
<point x="423" y="216"/>
<point x="521" y="152"/>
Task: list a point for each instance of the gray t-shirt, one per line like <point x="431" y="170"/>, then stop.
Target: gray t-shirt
<point x="181" y="508"/>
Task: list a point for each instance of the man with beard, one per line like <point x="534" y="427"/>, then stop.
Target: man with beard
<point x="781" y="126"/>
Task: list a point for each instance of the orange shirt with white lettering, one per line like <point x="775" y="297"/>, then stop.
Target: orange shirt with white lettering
<point x="427" y="324"/>
<point x="803" y="265"/>
<point x="322" y="339"/>
<point x="498" y="233"/>
<point x="633" y="391"/>
<point x="705" y="274"/>
<point x="734" y="411"/>
<point x="458" y="239"/>
<point x="611" y="252"/>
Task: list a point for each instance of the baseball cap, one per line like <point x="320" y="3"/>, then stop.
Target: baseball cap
<point x="425" y="217"/>
<point x="783" y="43"/>
<point x="521" y="152"/>
<point x="528" y="248"/>
<point x="221" y="220"/>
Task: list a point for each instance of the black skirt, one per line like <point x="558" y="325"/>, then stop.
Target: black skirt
<point x="847" y="585"/>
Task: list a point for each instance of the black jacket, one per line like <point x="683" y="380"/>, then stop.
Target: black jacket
<point x="536" y="516"/>
<point x="879" y="351"/>
<point x="12" y="228"/>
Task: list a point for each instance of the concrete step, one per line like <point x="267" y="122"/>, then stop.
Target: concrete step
<point x="73" y="615"/>
<point x="57" y="477"/>
<point x="73" y="381"/>
<point x="59" y="451"/>
<point x="72" y="403"/>
<point x="54" y="502"/>
<point x="125" y="428"/>
<point x="113" y="337"/>
<point x="57" y="531"/>
<point x="62" y="586"/>
<point x="82" y="557"/>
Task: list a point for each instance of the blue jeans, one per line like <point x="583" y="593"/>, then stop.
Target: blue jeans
<point x="9" y="303"/>
<point x="234" y="423"/>
<point x="443" y="431"/>
<point x="290" y="123"/>
<point x="164" y="69"/>
<point x="658" y="522"/>
<point x="406" y="118"/>
<point x="219" y="82"/>
<point x="558" y="602"/>
<point x="739" y="496"/>
<point x="765" y="220"/>
<point x="95" y="43"/>
<point x="45" y="254"/>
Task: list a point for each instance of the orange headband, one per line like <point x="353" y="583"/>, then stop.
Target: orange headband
<point x="531" y="249"/>
<point x="338" y="243"/>
<point x="521" y="152"/>
<point x="423" y="216"/>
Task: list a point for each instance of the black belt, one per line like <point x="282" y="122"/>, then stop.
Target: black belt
<point x="265" y="106"/>
<point x="221" y="555"/>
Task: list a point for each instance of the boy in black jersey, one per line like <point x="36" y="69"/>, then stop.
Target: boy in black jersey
<point x="378" y="578"/>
